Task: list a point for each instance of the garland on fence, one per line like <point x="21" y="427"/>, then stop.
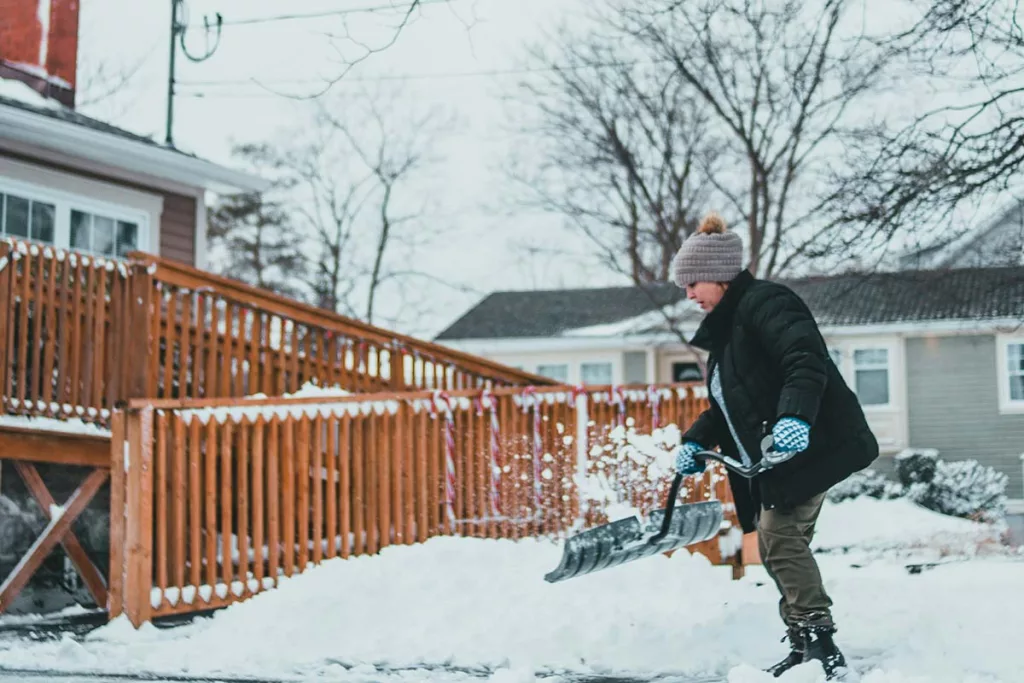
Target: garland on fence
<point x="449" y="448"/>
<point x="487" y="402"/>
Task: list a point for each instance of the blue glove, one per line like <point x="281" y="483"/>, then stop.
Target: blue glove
<point x="686" y="464"/>
<point x="791" y="435"/>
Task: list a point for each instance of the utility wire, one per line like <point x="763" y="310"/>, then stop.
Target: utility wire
<point x="366" y="9"/>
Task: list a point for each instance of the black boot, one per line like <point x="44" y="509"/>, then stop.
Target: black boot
<point x="820" y="646"/>
<point x="795" y="656"/>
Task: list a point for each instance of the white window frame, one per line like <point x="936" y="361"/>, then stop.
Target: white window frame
<point x="66" y="201"/>
<point x="852" y="352"/>
<point x="1006" y="404"/>
<point x="609" y="363"/>
<point x="846" y="349"/>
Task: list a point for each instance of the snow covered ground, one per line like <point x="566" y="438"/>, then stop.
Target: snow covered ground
<point x="484" y="605"/>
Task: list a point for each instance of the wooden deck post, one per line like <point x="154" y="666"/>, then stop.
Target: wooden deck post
<point x="141" y="382"/>
<point x="138" y="515"/>
<point x="7" y="267"/>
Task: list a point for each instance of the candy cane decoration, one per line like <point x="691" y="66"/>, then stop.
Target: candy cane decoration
<point x="449" y="447"/>
<point x="619" y="398"/>
<point x="488" y="402"/>
<point x="654" y="397"/>
<point x="537" y="444"/>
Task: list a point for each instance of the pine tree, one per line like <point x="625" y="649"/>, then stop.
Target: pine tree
<point x="259" y="243"/>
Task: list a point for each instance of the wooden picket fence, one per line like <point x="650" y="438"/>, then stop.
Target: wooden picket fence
<point x="228" y="497"/>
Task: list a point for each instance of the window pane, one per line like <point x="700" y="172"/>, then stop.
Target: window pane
<point x="836" y="356"/>
<point x="686" y="372"/>
<point x="871" y="357"/>
<point x="1017" y="388"/>
<point x="81" y="230"/>
<point x="16" y="222"/>
<point x="44" y="218"/>
<point x="559" y="373"/>
<point x="103" y="235"/>
<point x="127" y="237"/>
<point x="1015" y="357"/>
<point x="873" y="387"/>
<point x="596" y="373"/>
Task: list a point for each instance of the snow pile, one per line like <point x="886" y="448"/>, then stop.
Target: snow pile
<point x="484" y="604"/>
<point x="872" y="525"/>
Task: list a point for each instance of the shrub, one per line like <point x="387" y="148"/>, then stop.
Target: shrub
<point x="864" y="483"/>
<point x="916" y="466"/>
<point x="963" y="489"/>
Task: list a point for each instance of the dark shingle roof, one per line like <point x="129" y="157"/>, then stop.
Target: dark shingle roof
<point x="71" y="116"/>
<point x="854" y="299"/>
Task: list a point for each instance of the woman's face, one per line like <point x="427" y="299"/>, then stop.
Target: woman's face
<point x="706" y="294"/>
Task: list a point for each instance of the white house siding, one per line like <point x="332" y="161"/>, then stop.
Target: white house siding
<point x="572" y="361"/>
<point x="954" y="394"/>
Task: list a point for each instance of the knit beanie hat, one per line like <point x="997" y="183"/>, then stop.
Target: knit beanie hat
<point x="710" y="254"/>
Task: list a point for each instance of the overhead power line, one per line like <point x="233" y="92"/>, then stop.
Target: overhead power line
<point x="366" y="9"/>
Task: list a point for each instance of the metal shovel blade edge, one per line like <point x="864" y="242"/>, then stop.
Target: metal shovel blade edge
<point x="627" y="540"/>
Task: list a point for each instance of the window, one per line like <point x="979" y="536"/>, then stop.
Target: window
<point x="69" y="221"/>
<point x="686" y="372"/>
<point x="1015" y="371"/>
<point x="871" y="376"/>
<point x="596" y="373"/>
<point x="27" y="218"/>
<point x="102" y="234"/>
<point x="836" y="355"/>
<point x="558" y="372"/>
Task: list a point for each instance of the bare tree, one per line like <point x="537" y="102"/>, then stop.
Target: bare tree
<point x="360" y="163"/>
<point x="724" y="104"/>
<point x="622" y="148"/>
<point x="958" y="154"/>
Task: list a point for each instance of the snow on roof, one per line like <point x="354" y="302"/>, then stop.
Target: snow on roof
<point x="22" y="92"/>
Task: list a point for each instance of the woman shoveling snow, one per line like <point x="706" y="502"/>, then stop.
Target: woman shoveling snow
<point x="769" y="373"/>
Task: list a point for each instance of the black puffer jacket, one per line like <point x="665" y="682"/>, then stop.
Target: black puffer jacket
<point x="773" y="362"/>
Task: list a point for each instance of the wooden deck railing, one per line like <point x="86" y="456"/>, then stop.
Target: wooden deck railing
<point x="79" y="335"/>
<point x="226" y="497"/>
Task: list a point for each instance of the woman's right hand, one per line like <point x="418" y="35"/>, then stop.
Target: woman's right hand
<point x="686" y="463"/>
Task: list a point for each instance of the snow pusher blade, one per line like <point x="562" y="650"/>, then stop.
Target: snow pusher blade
<point x="626" y="540"/>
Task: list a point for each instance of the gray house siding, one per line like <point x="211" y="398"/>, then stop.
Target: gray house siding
<point x="952" y="391"/>
<point x="634" y="367"/>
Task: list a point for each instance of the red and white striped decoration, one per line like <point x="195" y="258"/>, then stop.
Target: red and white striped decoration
<point x="538" y="446"/>
<point x="441" y="398"/>
<point x="654" y="397"/>
<point x="488" y="402"/>
<point x="619" y="398"/>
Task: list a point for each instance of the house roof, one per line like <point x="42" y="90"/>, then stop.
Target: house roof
<point x="843" y="300"/>
<point x="44" y="123"/>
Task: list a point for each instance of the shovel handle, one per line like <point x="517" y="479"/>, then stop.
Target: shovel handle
<point x="747" y="472"/>
<point x="673" y="492"/>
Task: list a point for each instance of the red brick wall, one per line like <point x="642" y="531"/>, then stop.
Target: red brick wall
<point x="22" y="39"/>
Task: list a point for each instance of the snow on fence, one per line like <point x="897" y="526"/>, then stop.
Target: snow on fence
<point x="80" y="334"/>
<point x="221" y="499"/>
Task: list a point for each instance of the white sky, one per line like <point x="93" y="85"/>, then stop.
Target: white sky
<point x="446" y="39"/>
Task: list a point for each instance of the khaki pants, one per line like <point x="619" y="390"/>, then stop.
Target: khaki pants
<point x="784" y="540"/>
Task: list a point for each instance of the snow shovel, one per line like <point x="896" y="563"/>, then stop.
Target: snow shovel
<point x="671" y="528"/>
